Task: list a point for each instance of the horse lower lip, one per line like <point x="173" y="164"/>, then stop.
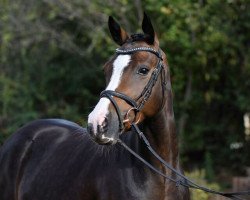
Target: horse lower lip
<point x="101" y="139"/>
<point x="105" y="141"/>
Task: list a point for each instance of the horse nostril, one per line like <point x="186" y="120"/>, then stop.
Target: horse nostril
<point x="105" y="125"/>
<point x="90" y="129"/>
<point x="99" y="129"/>
<point x="103" y="128"/>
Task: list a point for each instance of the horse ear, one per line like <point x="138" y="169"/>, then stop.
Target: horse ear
<point x="118" y="34"/>
<point x="148" y="29"/>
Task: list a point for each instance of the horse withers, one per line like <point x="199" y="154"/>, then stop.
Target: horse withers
<point x="53" y="159"/>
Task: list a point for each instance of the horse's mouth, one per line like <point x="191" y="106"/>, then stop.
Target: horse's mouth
<point x="103" y="140"/>
<point x="100" y="138"/>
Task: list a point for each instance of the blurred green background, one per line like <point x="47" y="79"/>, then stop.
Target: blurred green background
<point x="52" y="53"/>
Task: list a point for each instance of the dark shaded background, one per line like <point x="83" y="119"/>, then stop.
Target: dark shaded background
<point x="52" y="52"/>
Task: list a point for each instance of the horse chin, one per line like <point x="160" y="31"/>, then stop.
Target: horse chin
<point x="108" y="137"/>
<point x="103" y="140"/>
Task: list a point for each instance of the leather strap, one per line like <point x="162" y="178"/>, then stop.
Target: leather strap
<point x="183" y="180"/>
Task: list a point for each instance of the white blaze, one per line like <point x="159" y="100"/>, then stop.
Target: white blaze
<point x="97" y="116"/>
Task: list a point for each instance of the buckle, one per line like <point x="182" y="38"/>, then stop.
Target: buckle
<point x="127" y="123"/>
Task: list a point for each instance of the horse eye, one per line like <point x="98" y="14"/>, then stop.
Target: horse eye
<point x="143" y="71"/>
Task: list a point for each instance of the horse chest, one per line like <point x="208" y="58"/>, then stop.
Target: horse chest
<point x="125" y="184"/>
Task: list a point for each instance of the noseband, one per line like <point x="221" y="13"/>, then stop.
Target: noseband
<point x="138" y="103"/>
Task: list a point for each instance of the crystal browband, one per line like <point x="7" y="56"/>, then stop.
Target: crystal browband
<point x="129" y="51"/>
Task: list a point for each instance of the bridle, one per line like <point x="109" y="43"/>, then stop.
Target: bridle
<point x="136" y="106"/>
<point x="138" y="103"/>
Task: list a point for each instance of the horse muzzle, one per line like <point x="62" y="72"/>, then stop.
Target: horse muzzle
<point x="103" y="129"/>
<point x="100" y="136"/>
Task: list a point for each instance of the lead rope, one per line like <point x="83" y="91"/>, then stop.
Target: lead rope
<point x="186" y="182"/>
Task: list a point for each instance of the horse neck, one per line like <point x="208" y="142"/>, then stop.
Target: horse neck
<point x="160" y="131"/>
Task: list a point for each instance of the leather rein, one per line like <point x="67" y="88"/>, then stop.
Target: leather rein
<point x="137" y="107"/>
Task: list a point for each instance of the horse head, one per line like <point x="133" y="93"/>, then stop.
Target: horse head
<point x="136" y="81"/>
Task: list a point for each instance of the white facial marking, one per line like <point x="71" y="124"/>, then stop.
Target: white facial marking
<point x="120" y="63"/>
<point x="97" y="116"/>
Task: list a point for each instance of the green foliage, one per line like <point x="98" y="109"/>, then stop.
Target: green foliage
<point x="52" y="53"/>
<point x="209" y="170"/>
<point x="208" y="54"/>
<point x="199" y="177"/>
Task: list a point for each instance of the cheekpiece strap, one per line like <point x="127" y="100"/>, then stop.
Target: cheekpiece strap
<point x="133" y="50"/>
